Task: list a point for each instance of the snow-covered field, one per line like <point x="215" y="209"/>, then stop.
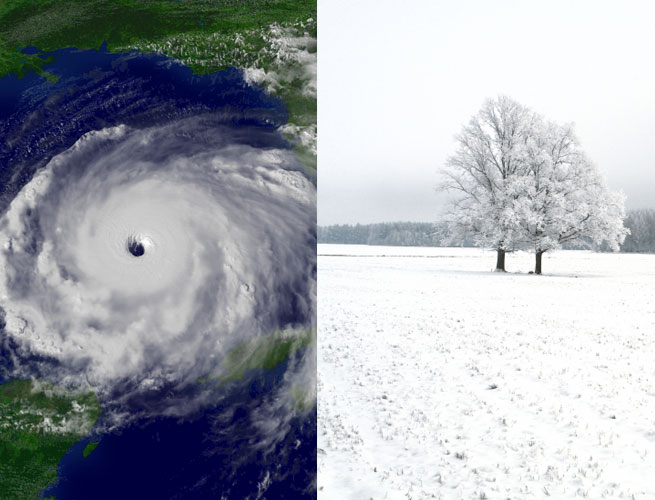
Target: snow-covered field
<point x="440" y="379"/>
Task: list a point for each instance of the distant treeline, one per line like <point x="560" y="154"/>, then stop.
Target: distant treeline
<point x="642" y="231"/>
<point x="425" y="234"/>
<point x="409" y="234"/>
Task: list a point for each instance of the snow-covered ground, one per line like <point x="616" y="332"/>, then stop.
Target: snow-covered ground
<point x="440" y="379"/>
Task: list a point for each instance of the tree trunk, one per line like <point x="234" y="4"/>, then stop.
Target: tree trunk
<point x="500" y="260"/>
<point x="537" y="264"/>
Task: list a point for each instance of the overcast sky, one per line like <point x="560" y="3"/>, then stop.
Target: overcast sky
<point x="397" y="80"/>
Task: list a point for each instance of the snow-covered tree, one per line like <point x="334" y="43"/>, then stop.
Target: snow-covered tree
<point x="487" y="175"/>
<point x="521" y="182"/>
<point x="566" y="199"/>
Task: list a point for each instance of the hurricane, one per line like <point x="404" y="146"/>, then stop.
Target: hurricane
<point x="157" y="230"/>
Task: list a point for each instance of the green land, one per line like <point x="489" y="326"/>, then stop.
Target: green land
<point x="86" y="24"/>
<point x="88" y="449"/>
<point x="38" y="424"/>
<point x="261" y="353"/>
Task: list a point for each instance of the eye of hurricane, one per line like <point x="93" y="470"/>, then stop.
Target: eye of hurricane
<point x="135" y="246"/>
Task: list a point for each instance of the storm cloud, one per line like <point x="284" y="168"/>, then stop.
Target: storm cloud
<point x="223" y="233"/>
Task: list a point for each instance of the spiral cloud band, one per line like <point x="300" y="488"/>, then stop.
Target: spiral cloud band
<point x="146" y="255"/>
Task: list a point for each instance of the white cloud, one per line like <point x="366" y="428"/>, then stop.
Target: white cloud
<point x="225" y="230"/>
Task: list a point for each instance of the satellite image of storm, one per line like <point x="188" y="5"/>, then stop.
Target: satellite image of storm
<point x="157" y="249"/>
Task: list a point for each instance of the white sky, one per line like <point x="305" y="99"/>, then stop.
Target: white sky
<point x="397" y="80"/>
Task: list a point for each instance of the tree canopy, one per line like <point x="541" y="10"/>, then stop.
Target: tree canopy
<point x="520" y="181"/>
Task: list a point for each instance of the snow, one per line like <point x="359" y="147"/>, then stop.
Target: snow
<point x="438" y="378"/>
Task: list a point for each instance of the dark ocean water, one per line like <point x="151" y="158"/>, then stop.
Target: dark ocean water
<point x="96" y="89"/>
<point x="213" y="455"/>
